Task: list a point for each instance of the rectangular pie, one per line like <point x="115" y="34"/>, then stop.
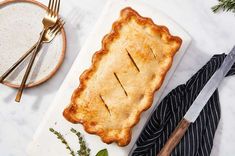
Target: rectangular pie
<point x="120" y="84"/>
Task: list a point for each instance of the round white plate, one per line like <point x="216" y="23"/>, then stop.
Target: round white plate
<point x="20" y="26"/>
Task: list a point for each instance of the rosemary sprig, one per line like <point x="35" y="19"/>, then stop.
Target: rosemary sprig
<point x="84" y="150"/>
<point x="61" y="137"/>
<point x="224" y="5"/>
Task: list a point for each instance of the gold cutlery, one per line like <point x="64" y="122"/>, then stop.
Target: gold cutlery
<point x="48" y="21"/>
<point x="49" y="36"/>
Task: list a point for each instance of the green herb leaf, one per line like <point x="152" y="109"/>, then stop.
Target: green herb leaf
<point x="102" y="152"/>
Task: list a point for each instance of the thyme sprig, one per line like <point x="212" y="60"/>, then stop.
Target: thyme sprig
<point x="61" y="137"/>
<point x="84" y="150"/>
<point x="224" y="5"/>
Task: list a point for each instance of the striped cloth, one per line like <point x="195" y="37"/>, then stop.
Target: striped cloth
<point x="198" y="140"/>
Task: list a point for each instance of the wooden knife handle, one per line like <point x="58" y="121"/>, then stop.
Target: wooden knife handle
<point x="175" y="138"/>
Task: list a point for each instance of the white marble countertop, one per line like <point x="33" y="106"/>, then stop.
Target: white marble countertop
<point x="211" y="33"/>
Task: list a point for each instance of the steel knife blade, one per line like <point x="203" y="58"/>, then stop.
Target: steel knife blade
<point x="210" y="87"/>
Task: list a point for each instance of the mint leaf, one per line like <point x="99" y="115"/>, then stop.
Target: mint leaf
<point x="102" y="152"/>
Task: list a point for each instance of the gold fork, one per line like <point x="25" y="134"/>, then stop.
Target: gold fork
<point x="49" y="36"/>
<point x="48" y="21"/>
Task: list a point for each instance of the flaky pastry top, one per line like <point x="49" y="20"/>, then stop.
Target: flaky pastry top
<point x="123" y="77"/>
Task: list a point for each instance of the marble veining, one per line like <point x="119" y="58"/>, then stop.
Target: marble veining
<point x="211" y="33"/>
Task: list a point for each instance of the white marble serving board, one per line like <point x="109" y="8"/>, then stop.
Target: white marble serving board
<point x="20" y="26"/>
<point x="44" y="142"/>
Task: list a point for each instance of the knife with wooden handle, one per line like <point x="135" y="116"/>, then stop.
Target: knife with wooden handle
<point x="198" y="104"/>
<point x="175" y="138"/>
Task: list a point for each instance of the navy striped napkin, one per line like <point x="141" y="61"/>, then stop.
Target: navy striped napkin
<point x="198" y="140"/>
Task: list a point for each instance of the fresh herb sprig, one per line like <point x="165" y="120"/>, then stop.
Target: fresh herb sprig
<point x="84" y="150"/>
<point x="61" y="137"/>
<point x="224" y="5"/>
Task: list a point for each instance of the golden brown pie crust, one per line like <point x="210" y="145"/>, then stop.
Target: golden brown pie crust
<point x="112" y="94"/>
